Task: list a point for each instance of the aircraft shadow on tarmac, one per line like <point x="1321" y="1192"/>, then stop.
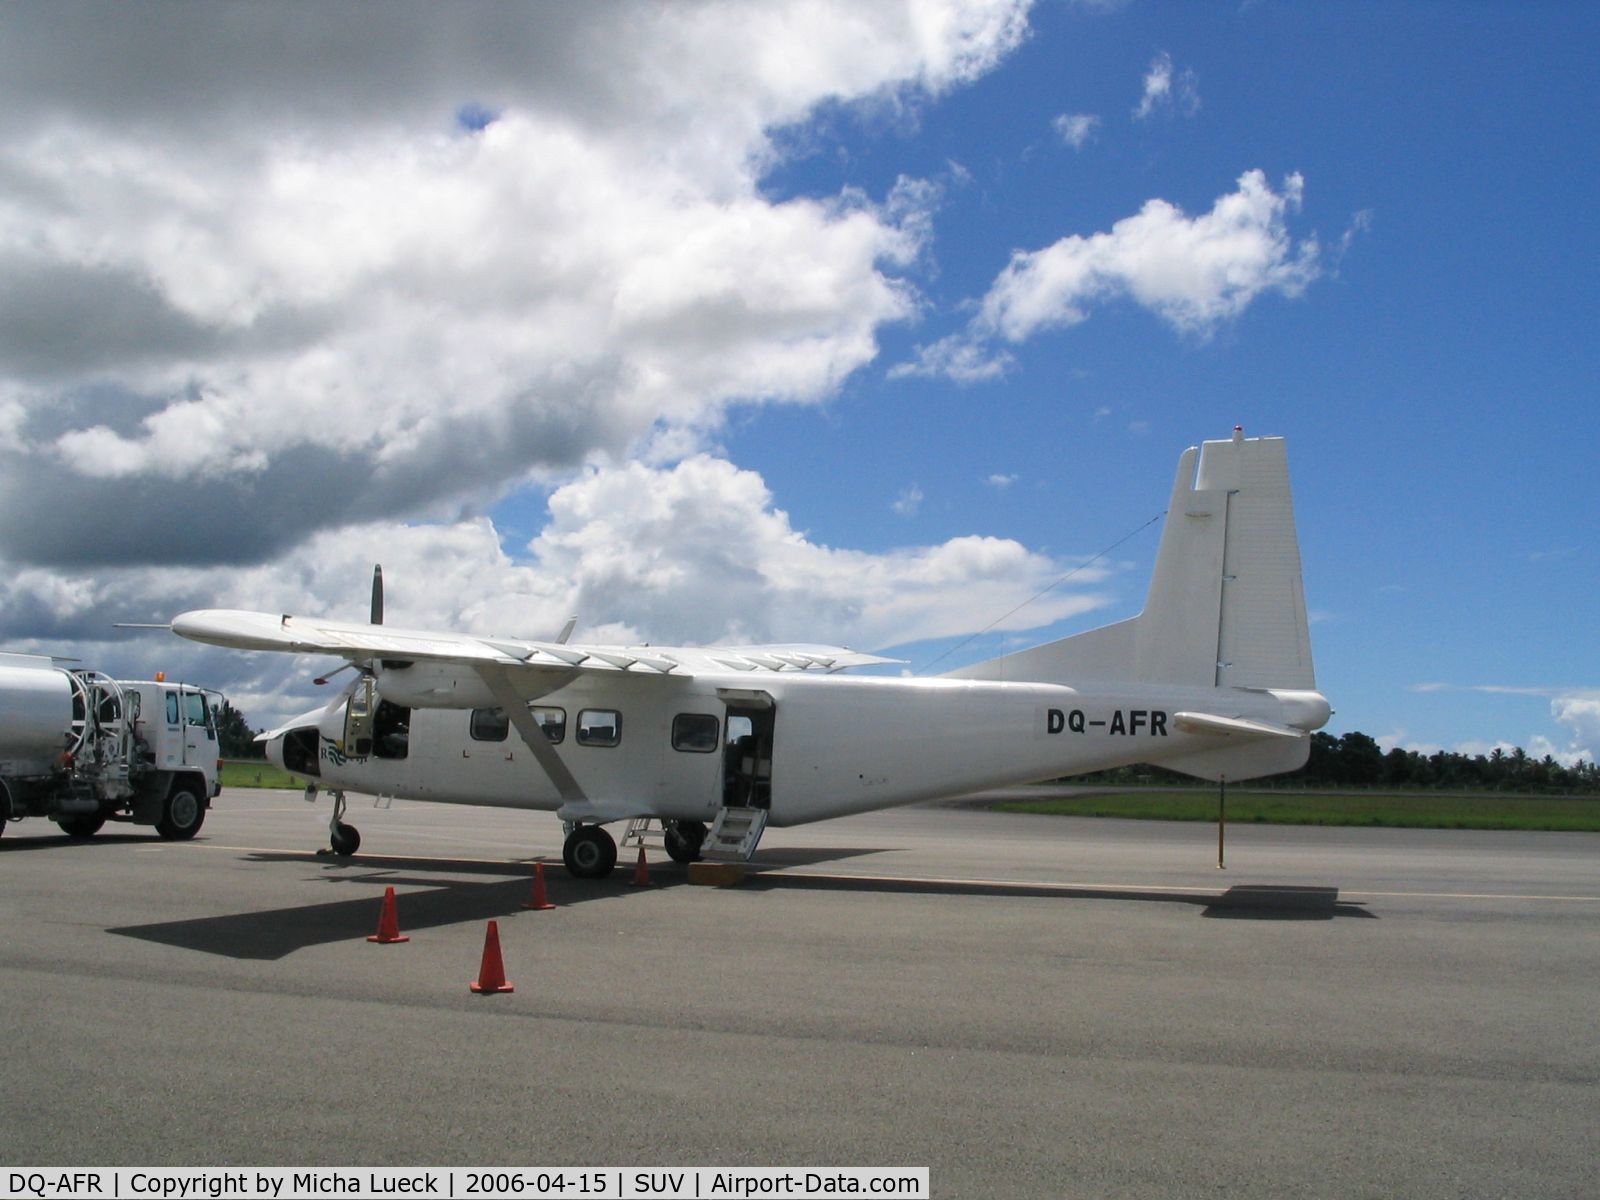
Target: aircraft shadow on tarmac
<point x="451" y="893"/>
<point x="1243" y="902"/>
<point x="1284" y="903"/>
<point x="439" y="892"/>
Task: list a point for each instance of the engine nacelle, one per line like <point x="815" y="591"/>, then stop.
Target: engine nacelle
<point x="431" y="685"/>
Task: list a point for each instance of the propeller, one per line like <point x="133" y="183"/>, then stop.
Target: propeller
<point x="377" y="619"/>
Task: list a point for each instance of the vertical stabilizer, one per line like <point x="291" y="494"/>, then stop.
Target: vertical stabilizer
<point x="1226" y="606"/>
<point x="1263" y="640"/>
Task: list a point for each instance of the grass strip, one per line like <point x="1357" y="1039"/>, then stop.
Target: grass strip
<point x="257" y="773"/>
<point x="1400" y="810"/>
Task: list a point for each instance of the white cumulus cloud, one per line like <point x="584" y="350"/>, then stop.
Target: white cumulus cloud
<point x="694" y="553"/>
<point x="287" y="291"/>
<point x="1194" y="272"/>
<point x="257" y="263"/>
<point x="1579" y="714"/>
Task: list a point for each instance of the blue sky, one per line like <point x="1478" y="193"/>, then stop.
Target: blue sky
<point x="1436" y="382"/>
<point x="717" y="322"/>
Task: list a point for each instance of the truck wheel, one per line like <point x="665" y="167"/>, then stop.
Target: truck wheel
<point x="182" y="815"/>
<point x="79" y="828"/>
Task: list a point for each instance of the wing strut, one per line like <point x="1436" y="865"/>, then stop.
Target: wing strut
<point x="533" y="736"/>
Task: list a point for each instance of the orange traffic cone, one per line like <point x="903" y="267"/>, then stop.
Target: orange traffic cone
<point x="538" y="900"/>
<point x="388" y="922"/>
<point x="491" y="972"/>
<point x="641" y="872"/>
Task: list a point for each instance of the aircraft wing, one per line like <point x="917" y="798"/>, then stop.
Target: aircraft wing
<point x="243" y="630"/>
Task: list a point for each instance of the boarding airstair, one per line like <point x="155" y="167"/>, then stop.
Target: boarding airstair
<point x="735" y="834"/>
<point x="644" y="831"/>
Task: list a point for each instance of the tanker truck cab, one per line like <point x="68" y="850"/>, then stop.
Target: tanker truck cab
<point x="81" y="749"/>
<point x="188" y="733"/>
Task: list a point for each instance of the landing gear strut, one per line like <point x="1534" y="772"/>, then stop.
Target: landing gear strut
<point x="589" y="852"/>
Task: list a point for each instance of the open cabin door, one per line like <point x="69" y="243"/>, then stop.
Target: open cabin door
<point x="748" y="727"/>
<point x="373" y="726"/>
<point x="747" y="748"/>
<point x="358" y="718"/>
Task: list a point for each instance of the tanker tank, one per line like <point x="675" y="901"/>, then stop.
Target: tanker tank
<point x="35" y="713"/>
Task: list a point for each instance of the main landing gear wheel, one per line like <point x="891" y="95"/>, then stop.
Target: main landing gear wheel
<point x="182" y="815"/>
<point x="589" y="852"/>
<point x="79" y="828"/>
<point x="684" y="840"/>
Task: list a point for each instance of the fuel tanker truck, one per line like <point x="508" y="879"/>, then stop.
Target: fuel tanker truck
<point x="82" y="749"/>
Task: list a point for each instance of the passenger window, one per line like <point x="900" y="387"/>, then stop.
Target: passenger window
<point x="695" y="733"/>
<point x="552" y="720"/>
<point x="194" y="707"/>
<point x="489" y="725"/>
<point x="172" y="708"/>
<point x="599" y="727"/>
<point x="492" y="724"/>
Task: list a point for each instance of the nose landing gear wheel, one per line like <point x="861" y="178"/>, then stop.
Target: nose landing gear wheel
<point x="345" y="840"/>
<point x="589" y="852"/>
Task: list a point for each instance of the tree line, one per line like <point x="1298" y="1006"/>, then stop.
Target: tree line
<point x="235" y="738"/>
<point x="1355" y="760"/>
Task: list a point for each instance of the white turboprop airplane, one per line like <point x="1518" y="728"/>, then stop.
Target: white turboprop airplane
<point x="1214" y="679"/>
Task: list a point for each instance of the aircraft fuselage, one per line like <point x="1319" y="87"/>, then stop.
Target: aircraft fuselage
<point x="834" y="745"/>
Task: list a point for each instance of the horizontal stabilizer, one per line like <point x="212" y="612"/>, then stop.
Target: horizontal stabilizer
<point x="1206" y="723"/>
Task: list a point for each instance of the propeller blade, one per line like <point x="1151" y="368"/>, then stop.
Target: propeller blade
<point x="377" y="594"/>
